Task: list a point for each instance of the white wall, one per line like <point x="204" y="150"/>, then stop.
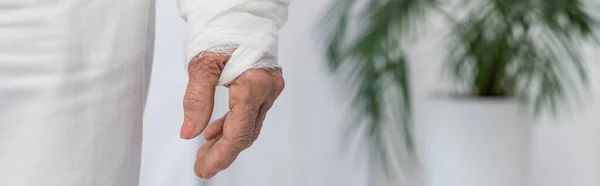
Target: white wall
<point x="567" y="151"/>
<point x="300" y="142"/>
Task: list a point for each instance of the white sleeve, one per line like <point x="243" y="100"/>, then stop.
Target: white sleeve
<point x="245" y="29"/>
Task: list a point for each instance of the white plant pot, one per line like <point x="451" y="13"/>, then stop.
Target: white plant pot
<point x="474" y="142"/>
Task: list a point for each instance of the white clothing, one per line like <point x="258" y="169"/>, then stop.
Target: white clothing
<point x="74" y="77"/>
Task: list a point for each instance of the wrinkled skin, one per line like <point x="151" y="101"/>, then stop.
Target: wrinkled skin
<point x="251" y="95"/>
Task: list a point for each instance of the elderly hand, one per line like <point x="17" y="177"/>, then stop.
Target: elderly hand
<point x="251" y="95"/>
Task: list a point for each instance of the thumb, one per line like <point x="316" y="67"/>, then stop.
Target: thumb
<point x="199" y="98"/>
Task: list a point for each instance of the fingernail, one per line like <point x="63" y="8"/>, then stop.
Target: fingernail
<point x="187" y="129"/>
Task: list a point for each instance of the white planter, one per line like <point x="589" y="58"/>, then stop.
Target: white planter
<point x="474" y="142"/>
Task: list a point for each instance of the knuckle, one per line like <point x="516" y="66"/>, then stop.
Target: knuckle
<point x="192" y="95"/>
<point x="195" y="96"/>
<point x="216" y="163"/>
<point x="247" y="106"/>
<point x="192" y="102"/>
<point x="255" y="136"/>
<point x="279" y="81"/>
<point x="197" y="89"/>
<point x="242" y="142"/>
<point x="259" y="75"/>
<point x="207" y="66"/>
<point x="279" y="84"/>
<point x="211" y="70"/>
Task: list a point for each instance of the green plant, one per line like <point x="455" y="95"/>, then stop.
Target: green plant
<point x="499" y="48"/>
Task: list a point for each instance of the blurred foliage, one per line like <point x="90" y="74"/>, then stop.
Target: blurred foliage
<point x="498" y="48"/>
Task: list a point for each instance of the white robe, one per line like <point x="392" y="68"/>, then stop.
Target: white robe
<point x="74" y="77"/>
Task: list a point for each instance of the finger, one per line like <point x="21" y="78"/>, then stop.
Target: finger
<point x="215" y="128"/>
<point x="246" y="97"/>
<point x="237" y="133"/>
<point x="198" y="105"/>
<point x="206" y="146"/>
<point x="199" y="97"/>
<point x="203" y="151"/>
<point x="259" y="121"/>
<point x="275" y="91"/>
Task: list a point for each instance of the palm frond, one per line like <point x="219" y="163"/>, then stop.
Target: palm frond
<point x="373" y="63"/>
<point x="523" y="48"/>
<point x="507" y="45"/>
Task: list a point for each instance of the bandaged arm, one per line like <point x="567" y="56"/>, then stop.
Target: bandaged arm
<point x="247" y="30"/>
